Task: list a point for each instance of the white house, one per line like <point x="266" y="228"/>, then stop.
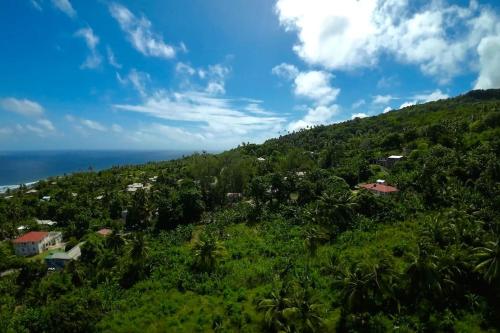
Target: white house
<point x="35" y="242"/>
<point x="134" y="187"/>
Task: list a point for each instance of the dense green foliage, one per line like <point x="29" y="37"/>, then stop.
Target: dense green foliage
<point x="303" y="249"/>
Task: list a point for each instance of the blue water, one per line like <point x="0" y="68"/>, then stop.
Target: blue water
<point x="25" y="167"/>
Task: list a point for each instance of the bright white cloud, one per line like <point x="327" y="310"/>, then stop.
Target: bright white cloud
<point x="359" y="115"/>
<point x="210" y="114"/>
<point x="489" y="55"/>
<point x="24" y="107"/>
<point x="140" y="35"/>
<point x="441" y="39"/>
<point x="93" y="59"/>
<point x="425" y="98"/>
<point x="382" y="99"/>
<point x="320" y="115"/>
<point x="65" y="7"/>
<point x="315" y="85"/>
<point x="387" y="109"/>
<point x="285" y="71"/>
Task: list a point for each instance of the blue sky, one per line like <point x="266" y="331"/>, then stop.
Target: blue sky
<point x="204" y="74"/>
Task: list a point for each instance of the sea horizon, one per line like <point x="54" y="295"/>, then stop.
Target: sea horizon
<point x="21" y="167"/>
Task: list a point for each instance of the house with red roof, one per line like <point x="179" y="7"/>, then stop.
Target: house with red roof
<point x="380" y="188"/>
<point x="104" y="232"/>
<point x="35" y="242"/>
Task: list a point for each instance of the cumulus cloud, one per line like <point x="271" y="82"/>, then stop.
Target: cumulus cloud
<point x="93" y="59"/>
<point x="24" y="107"/>
<point x="342" y="35"/>
<point x="358" y="115"/>
<point x="46" y="124"/>
<point x="140" y="34"/>
<point x="489" y="61"/>
<point x="382" y="99"/>
<point x="116" y="128"/>
<point x="320" y="115"/>
<point x="65" y="7"/>
<point x="315" y="85"/>
<point x="285" y="71"/>
<point x="425" y="98"/>
<point x="387" y="109"/>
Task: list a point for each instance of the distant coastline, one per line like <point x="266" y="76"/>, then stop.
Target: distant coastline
<point x="29" y="167"/>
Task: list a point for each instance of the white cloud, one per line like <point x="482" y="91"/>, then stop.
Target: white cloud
<point x="441" y="39"/>
<point x="46" y="124"/>
<point x="137" y="79"/>
<point x="5" y="131"/>
<point x="489" y="55"/>
<point x="213" y="77"/>
<point x="24" y="107"/>
<point x="319" y="115"/>
<point x="210" y="114"/>
<point x="285" y="71"/>
<point x="358" y="115"/>
<point x="387" y="109"/>
<point x="382" y="99"/>
<point x="112" y="58"/>
<point x="358" y="103"/>
<point x="140" y="35"/>
<point x="425" y="98"/>
<point x="94" y="59"/>
<point x="36" y="5"/>
<point x="65" y="7"/>
<point x="315" y="85"/>
<point x="82" y="124"/>
<point x="116" y="128"/>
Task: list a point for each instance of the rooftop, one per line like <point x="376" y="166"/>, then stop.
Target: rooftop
<point x="32" y="236"/>
<point x="380" y="188"/>
<point x="105" y="232"/>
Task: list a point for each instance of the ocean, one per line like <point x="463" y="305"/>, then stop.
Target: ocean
<point x="27" y="167"/>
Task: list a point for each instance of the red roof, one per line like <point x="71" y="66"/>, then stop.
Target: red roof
<point x="105" y="232"/>
<point x="380" y="188"/>
<point x="32" y="236"/>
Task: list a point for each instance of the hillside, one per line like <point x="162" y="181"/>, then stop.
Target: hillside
<point x="277" y="237"/>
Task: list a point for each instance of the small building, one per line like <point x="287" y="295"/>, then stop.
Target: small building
<point x="124" y="214"/>
<point x="105" y="232"/>
<point x="380" y="188"/>
<point x="46" y="222"/>
<point x="22" y="228"/>
<point x="391" y="160"/>
<point x="134" y="187"/>
<point x="99" y="197"/>
<point x="261" y="159"/>
<point x="46" y="198"/>
<point x="32" y="191"/>
<point x="58" y="260"/>
<point x="35" y="242"/>
<point x="233" y="197"/>
<point x="300" y="173"/>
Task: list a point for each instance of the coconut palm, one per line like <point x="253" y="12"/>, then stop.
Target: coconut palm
<point x="313" y="237"/>
<point x="488" y="260"/>
<point x="207" y="251"/>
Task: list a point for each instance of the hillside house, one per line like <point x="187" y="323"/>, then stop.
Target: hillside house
<point x="233" y="197"/>
<point x="391" y="160"/>
<point x="58" y="260"/>
<point x="36" y="242"/>
<point x="105" y="232"/>
<point x="134" y="187"/>
<point x="380" y="188"/>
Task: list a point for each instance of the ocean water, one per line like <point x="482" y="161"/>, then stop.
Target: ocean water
<point x="26" y="167"/>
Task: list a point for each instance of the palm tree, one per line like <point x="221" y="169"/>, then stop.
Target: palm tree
<point x="274" y="305"/>
<point x="139" y="250"/>
<point x="488" y="260"/>
<point x="207" y="251"/>
<point x="336" y="208"/>
<point x="314" y="237"/>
